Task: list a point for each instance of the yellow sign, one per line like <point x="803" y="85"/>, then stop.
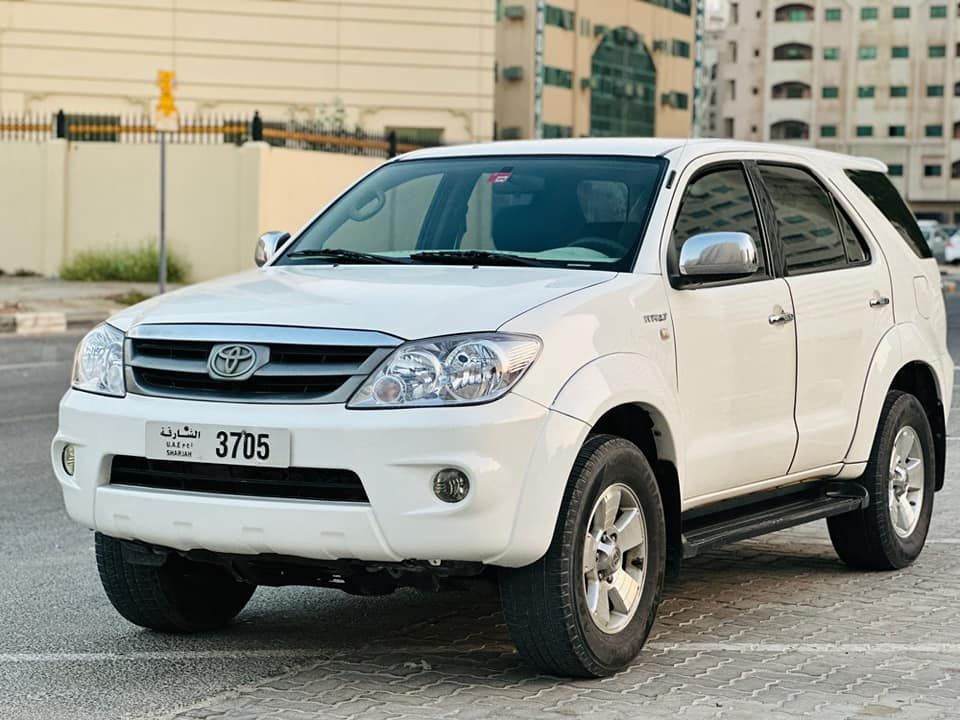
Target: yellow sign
<point x="166" y="117"/>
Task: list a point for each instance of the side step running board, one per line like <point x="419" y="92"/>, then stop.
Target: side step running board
<point x="770" y="514"/>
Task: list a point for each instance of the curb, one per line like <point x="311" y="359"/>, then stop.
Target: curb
<point x="44" y="323"/>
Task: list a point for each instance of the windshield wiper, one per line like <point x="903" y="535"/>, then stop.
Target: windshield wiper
<point x="354" y="256"/>
<point x="475" y="257"/>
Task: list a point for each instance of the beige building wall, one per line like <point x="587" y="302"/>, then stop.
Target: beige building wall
<point x="424" y="64"/>
<point x="572" y="49"/>
<point x="59" y="198"/>
<point x="922" y="164"/>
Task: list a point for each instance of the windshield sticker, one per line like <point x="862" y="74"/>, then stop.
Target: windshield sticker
<point x="499" y="177"/>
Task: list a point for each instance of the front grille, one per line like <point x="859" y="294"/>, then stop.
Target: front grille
<point x="288" y="483"/>
<point x="305" y="365"/>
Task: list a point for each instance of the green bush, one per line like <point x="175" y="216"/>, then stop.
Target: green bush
<point x="130" y="264"/>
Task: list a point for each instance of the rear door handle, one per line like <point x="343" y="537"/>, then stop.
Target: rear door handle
<point x="879" y="301"/>
<point x="780" y="318"/>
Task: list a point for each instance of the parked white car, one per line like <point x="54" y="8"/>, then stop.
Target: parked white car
<point x="565" y="365"/>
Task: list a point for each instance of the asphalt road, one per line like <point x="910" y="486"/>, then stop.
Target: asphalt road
<point x="64" y="652"/>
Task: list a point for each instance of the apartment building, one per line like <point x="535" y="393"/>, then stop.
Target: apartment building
<point x="606" y="68"/>
<point x="423" y="67"/>
<point x="876" y="77"/>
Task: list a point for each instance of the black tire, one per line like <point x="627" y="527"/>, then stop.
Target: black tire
<point x="545" y="603"/>
<point x="866" y="539"/>
<point x="179" y="596"/>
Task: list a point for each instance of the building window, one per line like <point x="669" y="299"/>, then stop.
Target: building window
<point x="831" y="53"/>
<point x="933" y="130"/>
<point x="956" y="130"/>
<point x="585" y="27"/>
<point x="932" y="170"/>
<point x="867" y="52"/>
<point x="623" y="101"/>
<point x="897" y="131"/>
<point x="956" y="89"/>
<point x="732" y="50"/>
<point x="677" y="100"/>
<point x="790" y="130"/>
<point x="900" y="51"/>
<point x="938" y="11"/>
<point x="937" y="51"/>
<point x="866" y="91"/>
<point x="557" y="131"/>
<point x="895" y="170"/>
<point x="793" y="51"/>
<point x="728" y="127"/>
<point x="732" y="89"/>
<point x="791" y="90"/>
<point x="864" y="130"/>
<point x="898" y="91"/>
<point x="955" y="170"/>
<point x="901" y="12"/>
<point x="934" y="90"/>
<point x="558" y="17"/>
<point x="828" y="131"/>
<point x="793" y="13"/>
<point x="557" y="77"/>
<point x="869" y="13"/>
<point x="830" y="91"/>
<point x="834" y="15"/>
<point x="680" y="48"/>
<point x="735" y="13"/>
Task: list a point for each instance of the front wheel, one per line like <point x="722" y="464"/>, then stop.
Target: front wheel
<point x="180" y="596"/>
<point x="900" y="476"/>
<point x="586" y="607"/>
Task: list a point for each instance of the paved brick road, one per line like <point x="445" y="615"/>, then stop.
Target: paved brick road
<point x="773" y="628"/>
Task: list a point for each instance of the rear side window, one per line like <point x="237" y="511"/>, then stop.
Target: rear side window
<point x="877" y="187"/>
<point x="811" y="237"/>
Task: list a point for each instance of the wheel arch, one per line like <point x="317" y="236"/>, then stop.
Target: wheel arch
<point x="902" y="361"/>
<point x="626" y="395"/>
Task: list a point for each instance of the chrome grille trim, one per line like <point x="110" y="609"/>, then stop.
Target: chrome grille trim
<point x="308" y="366"/>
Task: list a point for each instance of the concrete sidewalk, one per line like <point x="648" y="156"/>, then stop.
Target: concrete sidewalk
<point x="42" y="305"/>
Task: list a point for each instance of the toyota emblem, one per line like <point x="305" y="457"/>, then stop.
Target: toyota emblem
<point x="233" y="362"/>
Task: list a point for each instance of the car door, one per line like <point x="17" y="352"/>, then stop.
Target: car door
<point x="841" y="296"/>
<point x="735" y="353"/>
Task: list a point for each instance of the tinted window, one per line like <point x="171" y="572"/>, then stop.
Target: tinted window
<point x="809" y="233"/>
<point x="877" y="187"/>
<point x="718" y="201"/>
<point x="857" y="251"/>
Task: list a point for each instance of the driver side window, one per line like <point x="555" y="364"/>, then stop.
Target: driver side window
<point x="717" y="201"/>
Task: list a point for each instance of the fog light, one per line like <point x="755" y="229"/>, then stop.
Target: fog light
<point x="451" y="485"/>
<point x="69" y="459"/>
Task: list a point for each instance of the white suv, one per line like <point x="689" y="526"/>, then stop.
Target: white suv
<point x="566" y="365"/>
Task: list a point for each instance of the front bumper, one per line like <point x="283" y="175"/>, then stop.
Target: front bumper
<point x="516" y="453"/>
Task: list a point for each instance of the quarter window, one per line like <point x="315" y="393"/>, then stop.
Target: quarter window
<point x="717" y="201"/>
<point x="809" y="233"/>
<point x="877" y="187"/>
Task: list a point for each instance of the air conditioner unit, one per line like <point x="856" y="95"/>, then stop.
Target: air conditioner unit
<point x="513" y="73"/>
<point x="511" y="133"/>
<point x="514" y="12"/>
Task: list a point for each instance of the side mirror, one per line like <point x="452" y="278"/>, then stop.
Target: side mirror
<point x="267" y="246"/>
<point x="729" y="254"/>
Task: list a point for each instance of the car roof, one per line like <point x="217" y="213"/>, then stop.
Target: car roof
<point x="675" y="148"/>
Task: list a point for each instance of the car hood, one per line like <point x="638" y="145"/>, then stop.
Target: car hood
<point x="405" y="301"/>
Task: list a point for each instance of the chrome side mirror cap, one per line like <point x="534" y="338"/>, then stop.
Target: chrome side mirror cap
<point x="719" y="254"/>
<point x="267" y="246"/>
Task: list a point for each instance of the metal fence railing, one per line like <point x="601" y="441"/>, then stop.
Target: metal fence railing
<point x="204" y="130"/>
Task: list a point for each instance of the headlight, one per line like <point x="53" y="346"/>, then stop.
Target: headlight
<point x="98" y="364"/>
<point x="452" y="370"/>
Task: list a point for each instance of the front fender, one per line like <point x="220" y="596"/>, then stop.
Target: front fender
<point x="902" y="344"/>
<point x="626" y="379"/>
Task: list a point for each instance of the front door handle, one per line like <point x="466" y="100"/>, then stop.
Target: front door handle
<point x="780" y="318"/>
<point x="878" y="301"/>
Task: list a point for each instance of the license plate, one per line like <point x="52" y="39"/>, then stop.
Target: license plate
<point x="224" y="444"/>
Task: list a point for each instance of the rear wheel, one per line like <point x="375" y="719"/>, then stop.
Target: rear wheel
<point x="586" y="607"/>
<point x="900" y="477"/>
<point x="177" y="596"/>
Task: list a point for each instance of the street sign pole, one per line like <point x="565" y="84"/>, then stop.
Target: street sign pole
<point x="163" y="212"/>
<point x="166" y="120"/>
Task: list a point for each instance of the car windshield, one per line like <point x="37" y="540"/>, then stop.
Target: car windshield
<point x="564" y="211"/>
